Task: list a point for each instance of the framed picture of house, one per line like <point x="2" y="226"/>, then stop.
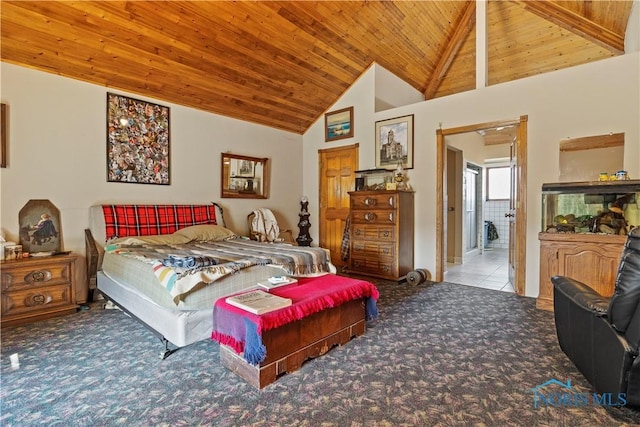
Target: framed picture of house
<point x="338" y="124"/>
<point x="138" y="141"/>
<point x="394" y="142"/>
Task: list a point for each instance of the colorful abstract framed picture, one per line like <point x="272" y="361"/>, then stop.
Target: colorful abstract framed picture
<point x="338" y="124"/>
<point x="138" y="141"/>
<point x="394" y="143"/>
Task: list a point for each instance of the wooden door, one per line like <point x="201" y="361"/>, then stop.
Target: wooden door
<point x="337" y="178"/>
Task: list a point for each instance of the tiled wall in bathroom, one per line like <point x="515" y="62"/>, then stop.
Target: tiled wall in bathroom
<point x="494" y="211"/>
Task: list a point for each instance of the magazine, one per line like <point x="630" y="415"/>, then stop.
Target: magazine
<point x="276" y="282"/>
<point x="258" y="302"/>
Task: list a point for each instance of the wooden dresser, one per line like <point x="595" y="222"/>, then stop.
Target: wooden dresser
<point x="381" y="233"/>
<point x="592" y="259"/>
<point x="37" y="288"/>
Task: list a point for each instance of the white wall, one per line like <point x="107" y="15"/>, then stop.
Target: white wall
<point x="57" y="151"/>
<point x="591" y="99"/>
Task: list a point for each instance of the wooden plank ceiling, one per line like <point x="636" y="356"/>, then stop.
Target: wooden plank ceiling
<point x="284" y="63"/>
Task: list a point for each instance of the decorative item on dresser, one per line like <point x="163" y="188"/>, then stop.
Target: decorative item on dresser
<point x="381" y="233"/>
<point x="37" y="288"/>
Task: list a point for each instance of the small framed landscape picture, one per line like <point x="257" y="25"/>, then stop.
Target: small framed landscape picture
<point x="338" y="124"/>
<point x="394" y="143"/>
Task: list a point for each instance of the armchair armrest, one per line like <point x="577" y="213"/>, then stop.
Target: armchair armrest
<point x="581" y="295"/>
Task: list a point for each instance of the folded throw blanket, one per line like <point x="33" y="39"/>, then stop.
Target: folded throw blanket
<point x="189" y="261"/>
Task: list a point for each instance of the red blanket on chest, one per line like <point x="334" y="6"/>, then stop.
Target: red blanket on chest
<point x="242" y="330"/>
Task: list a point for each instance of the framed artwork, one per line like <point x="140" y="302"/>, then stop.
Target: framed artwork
<point x="394" y="142"/>
<point x="3" y="135"/>
<point x="40" y="227"/>
<point x="138" y="137"/>
<point x="338" y="124"/>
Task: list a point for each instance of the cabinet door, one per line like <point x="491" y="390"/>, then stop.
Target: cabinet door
<point x="594" y="265"/>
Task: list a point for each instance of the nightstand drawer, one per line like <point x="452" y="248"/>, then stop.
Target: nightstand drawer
<point x="27" y="275"/>
<point x="35" y="300"/>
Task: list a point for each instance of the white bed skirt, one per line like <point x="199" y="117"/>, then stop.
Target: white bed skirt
<point x="181" y="328"/>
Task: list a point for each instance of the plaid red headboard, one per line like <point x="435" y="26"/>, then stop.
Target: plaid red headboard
<point x="149" y="220"/>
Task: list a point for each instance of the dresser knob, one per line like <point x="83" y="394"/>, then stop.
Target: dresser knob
<point x="369" y="216"/>
<point x="369" y="201"/>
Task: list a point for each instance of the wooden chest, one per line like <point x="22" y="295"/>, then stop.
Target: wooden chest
<point x="37" y="288"/>
<point x="290" y="345"/>
<point x="381" y="233"/>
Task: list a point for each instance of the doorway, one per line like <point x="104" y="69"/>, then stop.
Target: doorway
<point x="516" y="213"/>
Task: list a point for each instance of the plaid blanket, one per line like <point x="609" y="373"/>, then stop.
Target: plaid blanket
<point x="177" y="272"/>
<point x="148" y="220"/>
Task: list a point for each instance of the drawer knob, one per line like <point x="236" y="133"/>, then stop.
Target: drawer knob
<point x="369" y="216"/>
<point x="38" y="276"/>
<point x="357" y="232"/>
<point x="385" y="234"/>
<point x="369" y="201"/>
<point x="37" y="299"/>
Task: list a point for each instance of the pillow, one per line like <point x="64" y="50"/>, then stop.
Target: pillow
<point x="211" y="232"/>
<point x="161" y="239"/>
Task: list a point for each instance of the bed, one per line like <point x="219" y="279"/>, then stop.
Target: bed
<point x="166" y="265"/>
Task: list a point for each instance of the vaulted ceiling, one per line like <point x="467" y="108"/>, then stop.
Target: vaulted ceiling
<point x="284" y="63"/>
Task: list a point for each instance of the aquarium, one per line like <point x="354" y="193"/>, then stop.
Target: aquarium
<point x="373" y="179"/>
<point x="604" y="207"/>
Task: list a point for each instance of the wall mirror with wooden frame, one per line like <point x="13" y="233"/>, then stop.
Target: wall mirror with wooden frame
<point x="244" y="177"/>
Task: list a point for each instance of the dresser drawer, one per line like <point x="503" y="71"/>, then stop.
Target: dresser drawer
<point x="385" y="234"/>
<point x="373" y="217"/>
<point x="372" y="248"/>
<point x="377" y="201"/>
<point x="373" y="266"/>
<point x="28" y="275"/>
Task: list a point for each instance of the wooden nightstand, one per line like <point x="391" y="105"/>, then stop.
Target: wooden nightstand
<point x="37" y="288"/>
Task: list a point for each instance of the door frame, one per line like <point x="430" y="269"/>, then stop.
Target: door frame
<point x="521" y="197"/>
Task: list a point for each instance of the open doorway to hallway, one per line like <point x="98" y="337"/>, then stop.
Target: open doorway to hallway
<point x="478" y="207"/>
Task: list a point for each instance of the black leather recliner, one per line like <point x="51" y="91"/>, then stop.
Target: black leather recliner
<point x="601" y="335"/>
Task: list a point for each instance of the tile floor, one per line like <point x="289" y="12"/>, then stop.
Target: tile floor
<point x="487" y="270"/>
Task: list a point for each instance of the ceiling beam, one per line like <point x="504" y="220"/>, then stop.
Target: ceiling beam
<point x="463" y="28"/>
<point x="577" y="24"/>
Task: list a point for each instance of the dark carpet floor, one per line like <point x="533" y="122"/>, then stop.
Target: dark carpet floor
<point x="439" y="354"/>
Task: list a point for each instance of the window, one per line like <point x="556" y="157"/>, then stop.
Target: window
<point x="498" y="183"/>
